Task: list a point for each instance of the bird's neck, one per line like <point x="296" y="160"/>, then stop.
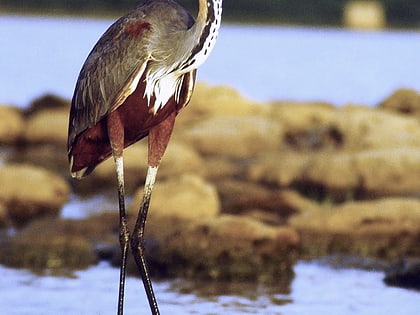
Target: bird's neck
<point x="204" y="32"/>
<point x="209" y="11"/>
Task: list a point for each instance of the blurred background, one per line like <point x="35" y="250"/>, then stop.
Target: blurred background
<point x="337" y="51"/>
<point x="399" y="13"/>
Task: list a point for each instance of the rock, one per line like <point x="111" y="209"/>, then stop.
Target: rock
<point x="219" y="168"/>
<point x="209" y="101"/>
<point x="384" y="228"/>
<point x="404" y="274"/>
<point x="367" y="15"/>
<point x="47" y="102"/>
<point x="11" y="125"/>
<point x="227" y="248"/>
<point x="319" y="126"/>
<point x="279" y="169"/>
<point x="307" y="125"/>
<point x="30" y="192"/>
<point x="188" y="197"/>
<point x="240" y="197"/>
<point x="48" y="126"/>
<point x="181" y="159"/>
<point x="59" y="245"/>
<point x="4" y="217"/>
<point x="235" y="137"/>
<point x="405" y="101"/>
<point x="45" y="155"/>
<point x="364" y="128"/>
<point x="365" y="174"/>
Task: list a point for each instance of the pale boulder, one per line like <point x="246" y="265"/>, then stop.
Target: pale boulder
<point x="30" y="192"/>
<point x="208" y="101"/>
<point x="47" y="126"/>
<point x="406" y="101"/>
<point x="366" y="15"/>
<point x="363" y="128"/>
<point x="186" y="198"/>
<point x="11" y="124"/>
<point x="227" y="247"/>
<point x="235" y="137"/>
<point x="382" y="172"/>
<point x="307" y="125"/>
<point x="384" y="228"/>
<point x="280" y="169"/>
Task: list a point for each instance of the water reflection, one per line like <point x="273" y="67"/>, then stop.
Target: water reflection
<point x="317" y="289"/>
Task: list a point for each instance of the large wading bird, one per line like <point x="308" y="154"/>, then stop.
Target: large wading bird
<point x="136" y="79"/>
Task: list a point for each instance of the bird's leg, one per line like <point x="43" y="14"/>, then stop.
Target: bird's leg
<point x="158" y="141"/>
<point x="116" y="137"/>
<point x="137" y="239"/>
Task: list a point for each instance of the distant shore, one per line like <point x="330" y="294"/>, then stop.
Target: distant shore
<point x="398" y="16"/>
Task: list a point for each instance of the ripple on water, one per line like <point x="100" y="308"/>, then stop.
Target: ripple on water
<point x="317" y="289"/>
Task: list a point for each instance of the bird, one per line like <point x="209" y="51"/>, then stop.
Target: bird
<point x="136" y="79"/>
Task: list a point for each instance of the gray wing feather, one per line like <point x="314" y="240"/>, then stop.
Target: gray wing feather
<point x="108" y="74"/>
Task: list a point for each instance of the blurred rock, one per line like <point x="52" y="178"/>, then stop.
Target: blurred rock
<point x="404" y="274"/>
<point x="369" y="15"/>
<point x="362" y="128"/>
<point x="188" y="197"/>
<point x="180" y="159"/>
<point x="226" y="248"/>
<point x="45" y="155"/>
<point x="238" y="180"/>
<point x="239" y="197"/>
<point x="307" y="125"/>
<point x="47" y="102"/>
<point x="235" y="136"/>
<point x="219" y="168"/>
<point x="58" y="245"/>
<point x="279" y="169"/>
<point x="365" y="174"/>
<point x="48" y="126"/>
<point x="4" y="216"/>
<point x="383" y="228"/>
<point x="11" y="125"/>
<point x="405" y="101"/>
<point x="210" y="101"/>
<point x="30" y="192"/>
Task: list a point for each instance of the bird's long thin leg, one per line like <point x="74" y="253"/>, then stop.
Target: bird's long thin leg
<point x="116" y="137"/>
<point x="158" y="140"/>
<point x="137" y="239"/>
<point x="124" y="232"/>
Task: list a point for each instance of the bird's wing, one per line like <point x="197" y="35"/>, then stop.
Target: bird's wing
<point x="110" y="73"/>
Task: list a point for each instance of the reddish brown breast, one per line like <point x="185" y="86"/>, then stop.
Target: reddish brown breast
<point x="92" y="146"/>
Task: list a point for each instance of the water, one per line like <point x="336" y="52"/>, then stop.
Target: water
<point x="316" y="290"/>
<point x="39" y="55"/>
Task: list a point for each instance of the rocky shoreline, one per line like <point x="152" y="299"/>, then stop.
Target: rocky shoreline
<point x="244" y="191"/>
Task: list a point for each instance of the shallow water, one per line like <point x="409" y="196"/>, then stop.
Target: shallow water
<point x="39" y="54"/>
<point x="317" y="289"/>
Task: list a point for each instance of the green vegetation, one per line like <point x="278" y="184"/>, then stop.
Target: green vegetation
<point x="404" y="13"/>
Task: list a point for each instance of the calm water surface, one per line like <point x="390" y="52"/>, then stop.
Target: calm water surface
<point x="316" y="290"/>
<point x="265" y="63"/>
<point x="39" y="55"/>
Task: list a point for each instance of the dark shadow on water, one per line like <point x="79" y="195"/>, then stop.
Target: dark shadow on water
<point x="211" y="290"/>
